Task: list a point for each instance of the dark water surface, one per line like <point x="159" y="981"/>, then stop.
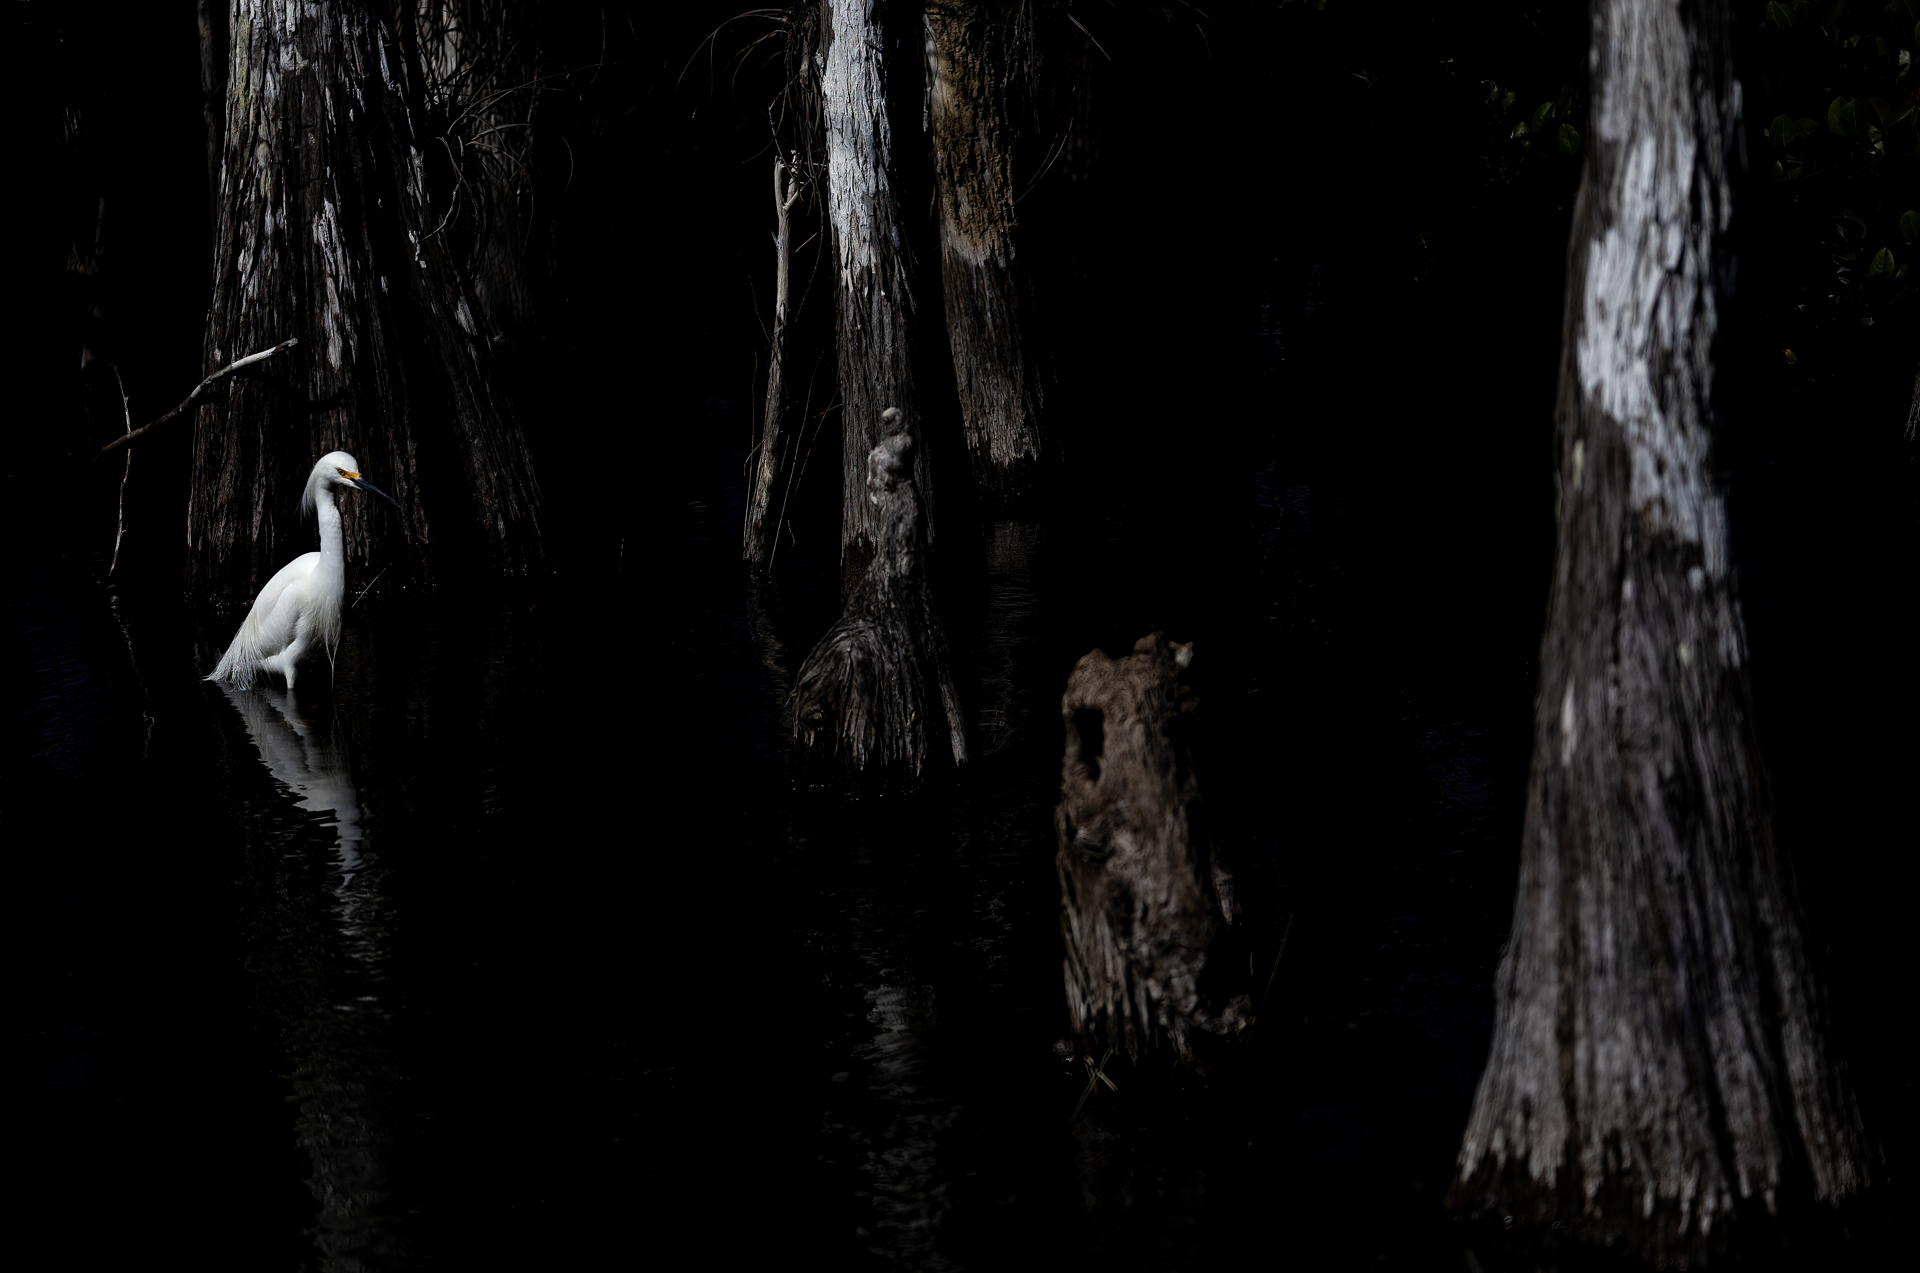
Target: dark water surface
<point x="519" y="949"/>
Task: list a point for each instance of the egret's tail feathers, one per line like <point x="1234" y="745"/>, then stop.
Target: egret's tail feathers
<point x="237" y="668"/>
<point x="246" y="659"/>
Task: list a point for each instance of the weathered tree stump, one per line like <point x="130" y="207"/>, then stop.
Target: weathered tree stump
<point x="877" y="695"/>
<point x="1143" y="898"/>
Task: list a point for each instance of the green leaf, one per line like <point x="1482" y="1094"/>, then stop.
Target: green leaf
<point x="1840" y="116"/>
<point x="1778" y="15"/>
<point x="1541" y="114"/>
<point x="1882" y="263"/>
<point x="1910" y="225"/>
<point x="1856" y="218"/>
<point x="1806" y="128"/>
<point x="1570" y="142"/>
<point x="1781" y="130"/>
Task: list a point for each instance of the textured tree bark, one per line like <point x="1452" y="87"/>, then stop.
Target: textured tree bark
<point x="483" y="77"/>
<point x="877" y="696"/>
<point x="1143" y="898"/>
<point x="327" y="232"/>
<point x="212" y="20"/>
<point x="867" y="64"/>
<point x="973" y="56"/>
<point x="772" y="460"/>
<point x="1658" y="1066"/>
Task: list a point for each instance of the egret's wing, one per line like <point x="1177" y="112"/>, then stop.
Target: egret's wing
<point x="269" y="627"/>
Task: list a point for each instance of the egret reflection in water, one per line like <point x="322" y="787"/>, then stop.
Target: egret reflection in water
<point x="321" y="958"/>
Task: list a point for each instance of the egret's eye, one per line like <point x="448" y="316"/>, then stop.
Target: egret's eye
<point x="345" y="474"/>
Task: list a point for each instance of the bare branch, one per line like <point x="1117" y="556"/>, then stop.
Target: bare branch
<point x="120" y="530"/>
<point x="194" y="397"/>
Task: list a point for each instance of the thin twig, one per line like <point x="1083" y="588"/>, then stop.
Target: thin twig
<point x="1083" y="31"/>
<point x="120" y="530"/>
<point x="818" y="428"/>
<point x="376" y="579"/>
<point x="805" y="411"/>
<point x="199" y="389"/>
<point x="1096" y="1075"/>
<point x="1058" y="149"/>
<point x="1275" y="973"/>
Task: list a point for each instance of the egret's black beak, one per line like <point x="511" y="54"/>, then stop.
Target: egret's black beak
<point x="365" y="485"/>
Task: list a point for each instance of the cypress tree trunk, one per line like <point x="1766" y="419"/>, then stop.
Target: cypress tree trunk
<point x="877" y="693"/>
<point x="974" y="54"/>
<point x="327" y="229"/>
<point x="1658" y="1066"/>
<point x="865" y="69"/>
<point x="482" y="77"/>
<point x="211" y="18"/>
<point x="877" y="696"/>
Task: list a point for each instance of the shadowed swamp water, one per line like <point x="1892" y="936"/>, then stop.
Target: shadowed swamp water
<point x="472" y="961"/>
<point x="518" y="948"/>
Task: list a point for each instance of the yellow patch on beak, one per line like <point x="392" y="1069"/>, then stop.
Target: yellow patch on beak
<point x="344" y="473"/>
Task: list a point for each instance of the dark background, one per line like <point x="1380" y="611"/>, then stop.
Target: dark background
<point x="1304" y="302"/>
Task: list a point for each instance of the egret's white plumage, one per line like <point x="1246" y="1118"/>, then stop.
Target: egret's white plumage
<point x="299" y="609"/>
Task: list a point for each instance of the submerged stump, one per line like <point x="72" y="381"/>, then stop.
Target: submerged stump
<point x="876" y="696"/>
<point x="1144" y="899"/>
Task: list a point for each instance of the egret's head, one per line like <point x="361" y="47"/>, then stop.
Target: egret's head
<point x="337" y="468"/>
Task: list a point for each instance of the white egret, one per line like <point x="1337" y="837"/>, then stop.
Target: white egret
<point x="300" y="606"/>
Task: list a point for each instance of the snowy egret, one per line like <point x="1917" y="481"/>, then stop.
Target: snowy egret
<point x="300" y="606"/>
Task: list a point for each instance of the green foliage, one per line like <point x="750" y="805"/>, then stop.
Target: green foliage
<point x="1531" y="133"/>
<point x="1837" y="81"/>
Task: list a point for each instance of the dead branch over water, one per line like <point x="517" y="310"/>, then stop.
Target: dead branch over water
<point x="133" y="434"/>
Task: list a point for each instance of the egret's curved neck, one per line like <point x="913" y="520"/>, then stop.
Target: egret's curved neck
<point x="332" y="544"/>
